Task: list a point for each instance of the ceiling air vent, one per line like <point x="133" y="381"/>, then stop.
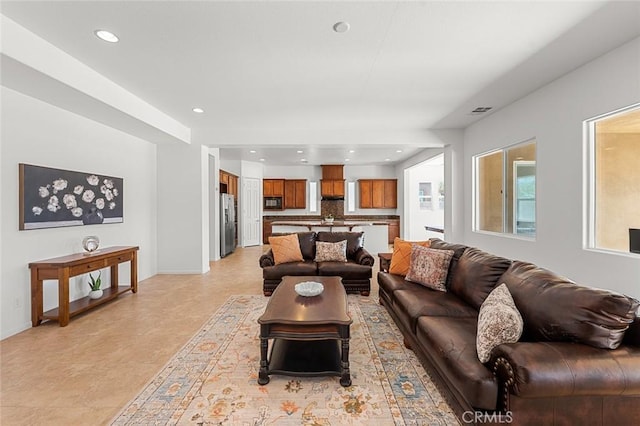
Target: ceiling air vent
<point x="480" y="110"/>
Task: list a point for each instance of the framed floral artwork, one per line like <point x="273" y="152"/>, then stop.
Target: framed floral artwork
<point x="51" y="198"/>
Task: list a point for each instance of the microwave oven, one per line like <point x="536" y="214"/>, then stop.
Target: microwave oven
<point x="273" y="203"/>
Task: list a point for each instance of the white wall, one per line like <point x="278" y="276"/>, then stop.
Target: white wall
<point x="554" y="116"/>
<point x="183" y="209"/>
<point x="37" y="133"/>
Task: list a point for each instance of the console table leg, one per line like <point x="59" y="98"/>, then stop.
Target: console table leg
<point x="134" y="272"/>
<point x="63" y="297"/>
<point x="263" y="374"/>
<point x="36" y="299"/>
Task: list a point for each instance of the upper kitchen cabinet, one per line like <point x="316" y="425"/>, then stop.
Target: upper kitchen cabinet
<point x="332" y="188"/>
<point x="378" y="193"/>
<point x="273" y="187"/>
<point x="332" y="182"/>
<point x="295" y="194"/>
<point x="228" y="183"/>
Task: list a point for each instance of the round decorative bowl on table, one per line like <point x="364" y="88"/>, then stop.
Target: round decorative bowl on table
<point x="309" y="288"/>
<point x="90" y="244"/>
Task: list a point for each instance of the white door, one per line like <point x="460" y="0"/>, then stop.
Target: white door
<point x="251" y="211"/>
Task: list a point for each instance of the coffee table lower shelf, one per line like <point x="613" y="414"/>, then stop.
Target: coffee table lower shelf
<point x="305" y="357"/>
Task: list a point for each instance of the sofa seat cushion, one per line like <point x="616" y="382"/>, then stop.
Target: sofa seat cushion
<point x="451" y="343"/>
<point x="476" y="275"/>
<point x="556" y="309"/>
<point x="294" y="268"/>
<point x="413" y="302"/>
<point x="389" y="283"/>
<point x="555" y="369"/>
<point x="348" y="271"/>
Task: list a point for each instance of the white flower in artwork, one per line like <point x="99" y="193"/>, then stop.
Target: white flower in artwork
<point x="100" y="203"/>
<point x="54" y="204"/>
<point x="112" y="205"/>
<point x="69" y="201"/>
<point x="78" y="189"/>
<point x="108" y="194"/>
<point x="115" y="192"/>
<point x="59" y="185"/>
<point x="36" y="210"/>
<point x="88" y="196"/>
<point x="108" y="183"/>
<point x="93" y="180"/>
<point x="43" y="191"/>
<point x="76" y="212"/>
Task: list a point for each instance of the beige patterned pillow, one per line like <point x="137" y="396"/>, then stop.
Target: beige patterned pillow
<point x="499" y="322"/>
<point x="286" y="249"/>
<point x="429" y="267"/>
<point x="331" y="252"/>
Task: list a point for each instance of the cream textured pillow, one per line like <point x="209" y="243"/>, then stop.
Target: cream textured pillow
<point x="331" y="252"/>
<point x="499" y="322"/>
<point x="401" y="257"/>
<point x="429" y="267"/>
<point x="286" y="249"/>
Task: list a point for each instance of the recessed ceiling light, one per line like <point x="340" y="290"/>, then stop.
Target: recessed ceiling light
<point x="303" y="160"/>
<point x="341" y="27"/>
<point x="351" y="151"/>
<point x="107" y="36"/>
<point x="347" y="159"/>
<point x="197" y="110"/>
<point x="398" y="150"/>
<point x="253" y="151"/>
<point x="299" y="151"/>
<point x="387" y="159"/>
<point x="262" y="159"/>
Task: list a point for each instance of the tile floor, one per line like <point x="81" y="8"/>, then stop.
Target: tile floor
<point x="83" y="374"/>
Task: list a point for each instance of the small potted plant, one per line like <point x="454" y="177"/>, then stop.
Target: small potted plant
<point x="94" y="284"/>
<point x="328" y="218"/>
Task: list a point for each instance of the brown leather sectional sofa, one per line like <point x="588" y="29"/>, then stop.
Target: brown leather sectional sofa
<point x="356" y="273"/>
<point x="559" y="373"/>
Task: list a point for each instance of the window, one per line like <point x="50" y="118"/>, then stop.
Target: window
<point x="614" y="189"/>
<point x="505" y="190"/>
<point x="424" y="196"/>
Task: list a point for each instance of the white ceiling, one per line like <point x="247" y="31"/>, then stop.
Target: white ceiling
<point x="274" y="76"/>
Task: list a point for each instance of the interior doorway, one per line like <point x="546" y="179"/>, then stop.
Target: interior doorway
<point x="424" y="205"/>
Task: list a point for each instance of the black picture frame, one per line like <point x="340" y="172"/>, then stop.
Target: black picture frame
<point x="52" y="198"/>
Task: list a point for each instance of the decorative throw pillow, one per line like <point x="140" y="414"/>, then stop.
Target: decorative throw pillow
<point x="499" y="321"/>
<point x="401" y="257"/>
<point x="331" y="252"/>
<point x="429" y="267"/>
<point x="286" y="249"/>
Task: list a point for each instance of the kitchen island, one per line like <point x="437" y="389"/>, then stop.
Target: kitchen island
<point x="375" y="232"/>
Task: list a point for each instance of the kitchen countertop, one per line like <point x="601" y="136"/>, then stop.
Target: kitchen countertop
<point x="319" y="223"/>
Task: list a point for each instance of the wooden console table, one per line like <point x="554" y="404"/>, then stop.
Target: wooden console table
<point x="62" y="268"/>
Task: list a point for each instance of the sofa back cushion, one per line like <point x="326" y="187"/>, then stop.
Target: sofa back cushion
<point x="458" y="249"/>
<point x="307" y="244"/>
<point x="476" y="275"/>
<point x="556" y="309"/>
<point x="355" y="240"/>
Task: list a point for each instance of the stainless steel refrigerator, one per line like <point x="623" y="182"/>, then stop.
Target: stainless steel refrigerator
<point x="227" y="224"/>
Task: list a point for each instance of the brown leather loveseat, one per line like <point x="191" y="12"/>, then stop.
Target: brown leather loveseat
<point x="356" y="272"/>
<point x="577" y="361"/>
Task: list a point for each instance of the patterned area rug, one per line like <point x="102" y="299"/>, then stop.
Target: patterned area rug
<point x="213" y="379"/>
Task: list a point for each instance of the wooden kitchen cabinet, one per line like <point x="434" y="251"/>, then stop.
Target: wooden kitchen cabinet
<point x="332" y="187"/>
<point x="378" y="193"/>
<point x="273" y="187"/>
<point x="295" y="194"/>
<point x="394" y="230"/>
<point x="228" y="183"/>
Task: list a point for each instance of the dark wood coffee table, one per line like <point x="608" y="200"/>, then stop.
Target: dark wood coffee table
<point x="310" y="334"/>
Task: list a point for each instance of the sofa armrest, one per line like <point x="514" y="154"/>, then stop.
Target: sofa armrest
<point x="555" y="369"/>
<point x="363" y="257"/>
<point x="267" y="259"/>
